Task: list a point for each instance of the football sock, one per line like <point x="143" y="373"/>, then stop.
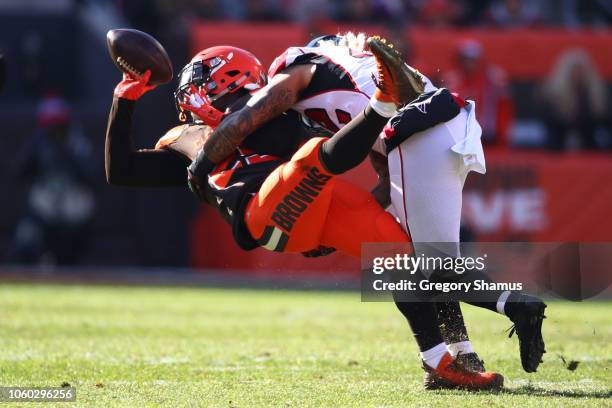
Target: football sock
<point x="452" y="325"/>
<point x="432" y="356"/>
<point x="501" y="302"/>
<point x="492" y="306"/>
<point x="385" y="109"/>
<point x="468" y="297"/>
<point x="462" y="347"/>
<point x="423" y="322"/>
<point x="505" y="304"/>
<point x="352" y="144"/>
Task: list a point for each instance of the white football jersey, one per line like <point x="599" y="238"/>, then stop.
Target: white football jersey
<point x="341" y="86"/>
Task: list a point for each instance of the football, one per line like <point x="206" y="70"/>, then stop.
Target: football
<point x="135" y="52"/>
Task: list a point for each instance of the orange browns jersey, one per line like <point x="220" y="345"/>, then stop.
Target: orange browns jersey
<point x="234" y="181"/>
<point x="301" y="205"/>
<point x="289" y="211"/>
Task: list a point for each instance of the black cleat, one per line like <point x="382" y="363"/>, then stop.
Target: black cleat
<point x="527" y="316"/>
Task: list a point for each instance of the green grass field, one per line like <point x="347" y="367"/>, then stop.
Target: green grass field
<point x="136" y="347"/>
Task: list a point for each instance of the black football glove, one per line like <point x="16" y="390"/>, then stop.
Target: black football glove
<point x="197" y="175"/>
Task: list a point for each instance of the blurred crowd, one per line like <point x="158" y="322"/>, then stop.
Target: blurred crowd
<point x="575" y="104"/>
<point x="55" y="163"/>
<point x="439" y="13"/>
<point x="572" y="103"/>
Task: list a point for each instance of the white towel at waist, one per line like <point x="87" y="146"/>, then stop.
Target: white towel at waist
<point x="467" y="133"/>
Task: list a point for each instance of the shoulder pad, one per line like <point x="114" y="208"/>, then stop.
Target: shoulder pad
<point x="284" y="60"/>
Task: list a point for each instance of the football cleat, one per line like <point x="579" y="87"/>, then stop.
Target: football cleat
<point x="451" y="374"/>
<point x="397" y="81"/>
<point x="469" y="361"/>
<point x="527" y="316"/>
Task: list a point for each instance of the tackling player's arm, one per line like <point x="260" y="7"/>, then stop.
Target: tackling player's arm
<point x="382" y="191"/>
<point x="276" y="97"/>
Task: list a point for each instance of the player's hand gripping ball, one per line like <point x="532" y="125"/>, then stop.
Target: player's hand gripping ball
<point x="142" y="59"/>
<point x="132" y="88"/>
<point x="135" y="52"/>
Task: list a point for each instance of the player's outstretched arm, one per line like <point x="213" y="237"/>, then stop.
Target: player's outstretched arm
<point x="273" y="99"/>
<point x="126" y="166"/>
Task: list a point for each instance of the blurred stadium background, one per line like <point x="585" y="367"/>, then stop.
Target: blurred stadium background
<point x="540" y="71"/>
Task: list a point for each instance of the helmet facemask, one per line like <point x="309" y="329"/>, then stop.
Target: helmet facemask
<point x="195" y="73"/>
<point x="200" y="74"/>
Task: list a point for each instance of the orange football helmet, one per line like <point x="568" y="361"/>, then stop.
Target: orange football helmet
<point x="218" y="71"/>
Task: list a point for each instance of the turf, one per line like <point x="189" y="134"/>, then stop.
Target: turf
<point x="135" y="346"/>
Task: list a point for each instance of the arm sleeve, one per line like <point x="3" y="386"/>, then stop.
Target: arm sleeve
<point x="126" y="166"/>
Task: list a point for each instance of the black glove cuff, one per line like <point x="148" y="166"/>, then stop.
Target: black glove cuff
<point x="201" y="166"/>
<point x="197" y="175"/>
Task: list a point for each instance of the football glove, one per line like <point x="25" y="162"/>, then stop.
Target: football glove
<point x="197" y="175"/>
<point x="198" y="103"/>
<point x="132" y="87"/>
